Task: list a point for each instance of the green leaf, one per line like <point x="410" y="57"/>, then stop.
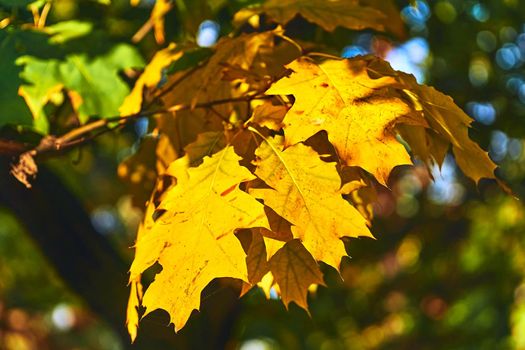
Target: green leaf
<point x="93" y="83"/>
<point x="68" y="30"/>
<point x="38" y="65"/>
<point x="13" y="109"/>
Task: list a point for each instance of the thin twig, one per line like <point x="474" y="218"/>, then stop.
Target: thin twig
<point x="79" y="136"/>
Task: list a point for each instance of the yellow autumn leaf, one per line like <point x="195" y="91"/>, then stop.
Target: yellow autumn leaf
<point x="327" y="14"/>
<point x="266" y="284"/>
<point x="447" y="123"/>
<point x="272" y="245"/>
<point x="295" y="270"/>
<point x="206" y="144"/>
<point x="269" y="115"/>
<point x="137" y="163"/>
<point x="356" y="111"/>
<point x="151" y="76"/>
<point x="268" y="64"/>
<point x="192" y="241"/>
<point x="425" y="143"/>
<point x="136" y="289"/>
<point x="132" y="314"/>
<point x="305" y="191"/>
<point x="289" y="268"/>
<point x="444" y="116"/>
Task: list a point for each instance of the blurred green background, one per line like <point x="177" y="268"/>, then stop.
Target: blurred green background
<point x="447" y="270"/>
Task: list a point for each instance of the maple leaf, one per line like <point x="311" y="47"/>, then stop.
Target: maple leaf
<point x="327" y="14"/>
<point x="80" y="75"/>
<point x="192" y="241"/>
<point x="447" y="124"/>
<point x="305" y="191"/>
<point x="256" y="258"/>
<point x="294" y="270"/>
<point x="289" y="268"/>
<point x="452" y="123"/>
<point x="12" y="106"/>
<point x="132" y="314"/>
<point x="425" y="143"/>
<point x="355" y="110"/>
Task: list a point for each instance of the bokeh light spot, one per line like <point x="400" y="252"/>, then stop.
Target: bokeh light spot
<point x="208" y="33"/>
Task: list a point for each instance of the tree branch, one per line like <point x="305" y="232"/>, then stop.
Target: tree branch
<point x="78" y="136"/>
<point x="25" y="169"/>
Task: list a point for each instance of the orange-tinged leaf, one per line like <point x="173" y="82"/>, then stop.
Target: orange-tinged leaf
<point x="256" y="260"/>
<point x="451" y="122"/>
<point x="151" y="76"/>
<point x="295" y="270"/>
<point x="306" y="192"/>
<point x="356" y="111"/>
<point x="425" y="143"/>
<point x="192" y="241"/>
<point x="327" y="14"/>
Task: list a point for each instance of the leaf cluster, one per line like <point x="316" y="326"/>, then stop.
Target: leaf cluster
<point x="267" y="155"/>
